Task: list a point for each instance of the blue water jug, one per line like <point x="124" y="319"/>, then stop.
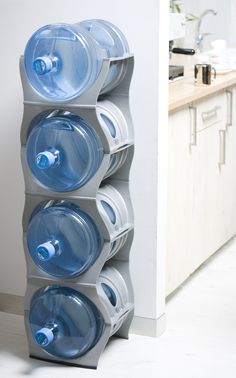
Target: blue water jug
<point x="63" y="240"/>
<point x="63" y="151"/>
<point x="64" y="322"/>
<point x="63" y="61"/>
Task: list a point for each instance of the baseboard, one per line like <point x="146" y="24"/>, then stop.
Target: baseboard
<point x="148" y="327"/>
<point x="14" y="304"/>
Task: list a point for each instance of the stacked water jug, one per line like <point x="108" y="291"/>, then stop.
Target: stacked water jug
<point x="77" y="148"/>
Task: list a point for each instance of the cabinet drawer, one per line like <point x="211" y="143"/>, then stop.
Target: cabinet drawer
<point x="210" y="111"/>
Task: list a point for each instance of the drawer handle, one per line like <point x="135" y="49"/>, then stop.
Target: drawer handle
<point x="222" y="147"/>
<point x="193" y="126"/>
<point x="206" y="116"/>
<point x="229" y="95"/>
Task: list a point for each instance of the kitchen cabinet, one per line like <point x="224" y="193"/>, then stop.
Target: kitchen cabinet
<point x="201" y="183"/>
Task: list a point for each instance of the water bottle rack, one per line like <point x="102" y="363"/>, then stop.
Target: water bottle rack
<point x="117" y="319"/>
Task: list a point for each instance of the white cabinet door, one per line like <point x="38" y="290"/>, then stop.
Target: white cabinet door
<point x="209" y="231"/>
<point x="206" y="232"/>
<point x="221" y="180"/>
<point x="198" y="209"/>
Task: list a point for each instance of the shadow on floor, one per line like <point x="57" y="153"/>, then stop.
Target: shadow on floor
<point x="13" y="346"/>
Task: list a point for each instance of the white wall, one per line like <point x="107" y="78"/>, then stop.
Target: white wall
<point x="140" y="23"/>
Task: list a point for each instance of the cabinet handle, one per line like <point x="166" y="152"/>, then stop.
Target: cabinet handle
<point x="222" y="147"/>
<point x="229" y="95"/>
<point x="193" y="126"/>
<point x="206" y="116"/>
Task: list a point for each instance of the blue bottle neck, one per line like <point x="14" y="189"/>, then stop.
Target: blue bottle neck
<point x="47" y="159"/>
<point x="48" y="250"/>
<point x="45" y="64"/>
<point x="46" y="335"/>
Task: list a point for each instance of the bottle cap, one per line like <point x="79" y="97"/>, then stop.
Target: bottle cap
<point x="44" y="337"/>
<point x="45" y="160"/>
<point x="43" y="65"/>
<point x="46" y="251"/>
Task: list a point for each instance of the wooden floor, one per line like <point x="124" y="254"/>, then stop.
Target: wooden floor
<point x="200" y="341"/>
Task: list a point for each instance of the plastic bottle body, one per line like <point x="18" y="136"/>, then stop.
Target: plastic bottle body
<point x="63" y="240"/>
<point x="63" y="152"/>
<point x="63" y="61"/>
<point x="113" y="41"/>
<point x="113" y="207"/>
<point x="64" y="322"/>
<point x="117" y="297"/>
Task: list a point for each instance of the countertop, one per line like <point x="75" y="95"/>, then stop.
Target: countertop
<point x="184" y="91"/>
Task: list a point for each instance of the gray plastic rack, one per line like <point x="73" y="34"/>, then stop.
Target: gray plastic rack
<point x="112" y="265"/>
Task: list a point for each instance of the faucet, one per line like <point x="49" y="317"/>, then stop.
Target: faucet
<point x="200" y="36"/>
